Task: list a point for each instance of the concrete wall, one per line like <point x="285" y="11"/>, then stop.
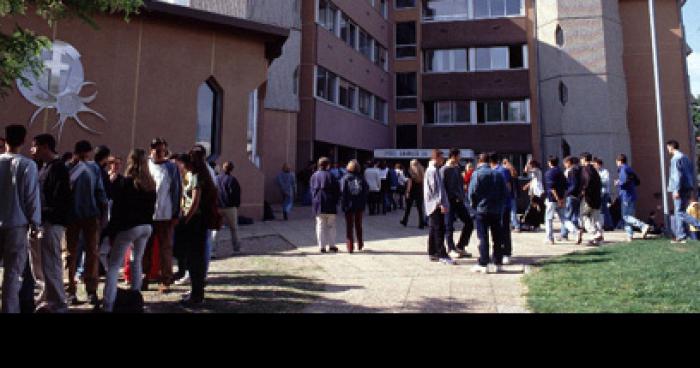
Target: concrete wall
<point x="147" y="73"/>
<point x="590" y="64"/>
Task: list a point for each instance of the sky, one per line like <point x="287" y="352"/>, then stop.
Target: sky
<point x="691" y="15"/>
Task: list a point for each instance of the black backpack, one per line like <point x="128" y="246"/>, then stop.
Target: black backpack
<point x="269" y="214"/>
<point x="128" y="302"/>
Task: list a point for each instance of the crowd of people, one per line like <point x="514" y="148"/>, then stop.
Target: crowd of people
<point x="164" y="207"/>
<point x="160" y="208"/>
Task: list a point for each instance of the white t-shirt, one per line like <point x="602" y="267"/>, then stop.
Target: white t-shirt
<point x="164" y="204"/>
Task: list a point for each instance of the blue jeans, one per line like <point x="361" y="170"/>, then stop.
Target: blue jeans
<point x="628" y="210"/>
<point x="514" y="222"/>
<point x="207" y="252"/>
<point x="572" y="214"/>
<point x="288" y="204"/>
<point x="486" y="223"/>
<point x="553" y="208"/>
<point x="682" y="218"/>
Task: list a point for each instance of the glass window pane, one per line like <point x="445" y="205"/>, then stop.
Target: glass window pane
<point x="516" y="57"/>
<point x="461" y="112"/>
<point x="460" y="60"/>
<point x="481" y="8"/>
<point x="205" y="115"/>
<point x="321" y="81"/>
<point x="499" y="58"/>
<point x="481" y="112"/>
<point x="429" y="112"/>
<point x="483" y="59"/>
<point x="406" y="84"/>
<point x="513" y="7"/>
<point x="444" y="115"/>
<point x="494" y="113"/>
<point x="498" y="8"/>
<point x="406" y="33"/>
<point x="405" y="52"/>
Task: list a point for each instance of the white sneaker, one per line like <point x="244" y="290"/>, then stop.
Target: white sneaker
<point x="506" y="260"/>
<point x="447" y="261"/>
<point x="645" y="231"/>
<point x="185" y="280"/>
<point x="493" y="268"/>
<point x="480" y="269"/>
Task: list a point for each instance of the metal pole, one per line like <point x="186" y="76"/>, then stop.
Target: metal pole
<point x="659" y="113"/>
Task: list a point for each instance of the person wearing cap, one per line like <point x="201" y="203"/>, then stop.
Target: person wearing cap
<point x="20" y="211"/>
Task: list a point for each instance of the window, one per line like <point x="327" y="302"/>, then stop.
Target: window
<point x="380" y="110"/>
<point x="502" y="112"/>
<point x="405" y="40"/>
<point x="447" y="112"/>
<point x="327" y="15"/>
<point x="405" y="4"/>
<point x="348" y="32"/>
<point x="406" y="91"/>
<point x="442" y="61"/>
<point x="384" y="8"/>
<point x="252" y="136"/>
<point x="500" y="58"/>
<point x="445" y="9"/>
<point x="346" y="94"/>
<point x="365" y="45"/>
<point x="210" y="117"/>
<point x="498" y="8"/>
<point x="380" y="56"/>
<point x="559" y="36"/>
<point x="326" y="83"/>
<point x="563" y="93"/>
<point x="365" y="102"/>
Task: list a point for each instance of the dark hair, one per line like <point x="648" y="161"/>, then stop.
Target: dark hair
<point x="101" y="153"/>
<point x="570" y="160"/>
<point x="46" y="140"/>
<point x="598" y="160"/>
<point x="586" y="156"/>
<point x="15" y="135"/>
<point x="228" y="167"/>
<point x="494" y="159"/>
<point x="535" y="164"/>
<point x="67" y="156"/>
<point x="199" y="167"/>
<point x="82" y="147"/>
<point x="455" y="152"/>
<point x="157" y="142"/>
<point x="484" y="158"/>
<point x="324" y="162"/>
<point x="553" y="160"/>
<point x="182" y="157"/>
<point x="673" y="143"/>
<point x="622" y="158"/>
<point x="436" y="153"/>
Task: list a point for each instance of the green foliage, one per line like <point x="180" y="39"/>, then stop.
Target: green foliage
<point x="696" y="111"/>
<point x="641" y="277"/>
<point x="20" y="47"/>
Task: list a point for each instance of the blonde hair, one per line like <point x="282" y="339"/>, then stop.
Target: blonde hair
<point x="354" y="166"/>
<point x="417" y="171"/>
<point x="137" y="168"/>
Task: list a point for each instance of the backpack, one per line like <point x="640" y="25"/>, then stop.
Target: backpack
<point x="635" y="178"/>
<point x="269" y="215"/>
<point x="128" y="302"/>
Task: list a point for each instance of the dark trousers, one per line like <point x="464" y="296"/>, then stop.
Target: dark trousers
<point x="458" y="211"/>
<point x="436" y="238"/>
<point x="353" y="221"/>
<point x="26" y="293"/>
<point x="505" y="241"/>
<point x="486" y="223"/>
<point x="195" y="238"/>
<point x="374" y="201"/>
<point x="419" y="207"/>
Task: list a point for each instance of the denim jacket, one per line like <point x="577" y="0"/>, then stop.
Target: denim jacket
<point x="681" y="174"/>
<point x="487" y="191"/>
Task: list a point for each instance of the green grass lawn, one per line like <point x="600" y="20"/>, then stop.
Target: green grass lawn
<point x="641" y="277"/>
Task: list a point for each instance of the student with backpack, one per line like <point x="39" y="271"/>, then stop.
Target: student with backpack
<point x="627" y="184"/>
<point x="354" y="192"/>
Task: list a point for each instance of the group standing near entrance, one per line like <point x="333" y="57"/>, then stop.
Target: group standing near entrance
<point x="167" y="207"/>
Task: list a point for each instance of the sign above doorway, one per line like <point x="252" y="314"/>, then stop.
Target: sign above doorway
<point x="421" y="154"/>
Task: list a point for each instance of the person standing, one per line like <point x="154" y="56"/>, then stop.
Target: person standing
<point x="88" y="208"/>
<point x="505" y="240"/>
<point x="354" y="192"/>
<point x="199" y="212"/>
<point x="400" y="193"/>
<point x="681" y="184"/>
<point x="627" y="186"/>
<point x="325" y="192"/>
<point x="454" y="187"/>
<point x="555" y="185"/>
<point x="384" y="187"/>
<point x="573" y="202"/>
<point x="134" y="201"/>
<point x="414" y="193"/>
<point x="54" y="182"/>
<point x="591" y="199"/>
<point x="606" y="194"/>
<point x="288" y="186"/>
<point x="437" y="205"/>
<point x="514" y="184"/>
<point x="534" y="216"/>
<point x="20" y="211"/>
<point x="373" y="179"/>
<point x="229" y="202"/>
<point x="487" y="191"/>
<point x="168" y="183"/>
<point x="182" y="276"/>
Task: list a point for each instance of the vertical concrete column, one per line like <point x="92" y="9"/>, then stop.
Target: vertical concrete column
<point x="581" y="77"/>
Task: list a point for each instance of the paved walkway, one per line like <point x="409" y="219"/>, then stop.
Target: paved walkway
<point x="393" y="274"/>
